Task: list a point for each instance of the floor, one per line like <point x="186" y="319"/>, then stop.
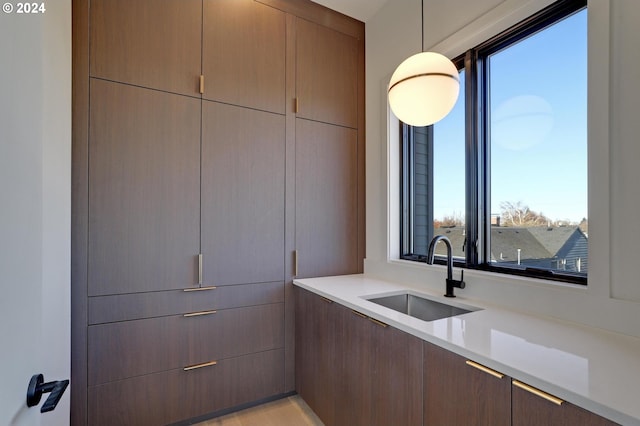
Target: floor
<point x="291" y="411"/>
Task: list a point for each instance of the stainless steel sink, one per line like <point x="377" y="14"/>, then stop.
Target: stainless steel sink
<point x="420" y="307"/>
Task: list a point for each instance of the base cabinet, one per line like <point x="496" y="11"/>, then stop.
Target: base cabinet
<point x="353" y="370"/>
<point x="456" y="393"/>
<point x="174" y="395"/>
<point x="529" y="409"/>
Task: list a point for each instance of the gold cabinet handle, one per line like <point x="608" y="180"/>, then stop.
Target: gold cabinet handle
<point x="537" y="392"/>
<point x="380" y="323"/>
<point x="360" y="314"/>
<point x="326" y="300"/>
<point x="200" y="288"/>
<point x="295" y="263"/>
<point x="195" y="367"/>
<point x="487" y="370"/>
<point x="202" y="84"/>
<point x="198" y="314"/>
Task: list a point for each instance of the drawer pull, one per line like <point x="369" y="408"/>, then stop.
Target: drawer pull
<point x="326" y="300"/>
<point x="198" y="314"/>
<point x="195" y="367"/>
<point x="380" y="323"/>
<point x="200" y="288"/>
<point x="487" y="370"/>
<point x="360" y="314"/>
<point x="537" y="392"/>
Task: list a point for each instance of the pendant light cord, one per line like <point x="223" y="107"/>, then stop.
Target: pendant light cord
<point x="422" y="27"/>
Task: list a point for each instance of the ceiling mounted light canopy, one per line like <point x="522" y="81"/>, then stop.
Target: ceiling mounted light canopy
<point x="424" y="88"/>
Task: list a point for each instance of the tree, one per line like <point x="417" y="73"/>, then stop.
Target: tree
<point x="449" y="221"/>
<point x="519" y="214"/>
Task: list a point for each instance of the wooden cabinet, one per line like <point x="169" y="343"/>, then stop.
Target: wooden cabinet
<point x="195" y="338"/>
<point x="243" y="189"/>
<point x="315" y="352"/>
<point x="148" y="43"/>
<point x="244" y="54"/>
<point x="353" y="367"/>
<point x="456" y="393"/>
<point x="326" y="74"/>
<point x="326" y="199"/>
<point x="397" y="377"/>
<point x="144" y="190"/>
<point x="354" y="371"/>
<point x="529" y="409"/>
<point x="174" y="395"/>
<point x="192" y="171"/>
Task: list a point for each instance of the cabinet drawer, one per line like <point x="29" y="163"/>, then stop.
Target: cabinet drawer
<point x="131" y="348"/>
<point x="124" y="307"/>
<point x="175" y="395"/>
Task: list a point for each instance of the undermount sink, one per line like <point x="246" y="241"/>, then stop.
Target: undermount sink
<point x="420" y="307"/>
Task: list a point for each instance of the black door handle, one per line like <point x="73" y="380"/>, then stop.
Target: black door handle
<point x="37" y="387"/>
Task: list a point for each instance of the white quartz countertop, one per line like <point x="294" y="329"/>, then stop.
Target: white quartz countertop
<point x="591" y="368"/>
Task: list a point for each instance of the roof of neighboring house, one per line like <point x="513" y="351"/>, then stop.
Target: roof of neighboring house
<point x="537" y="242"/>
<point x="553" y="239"/>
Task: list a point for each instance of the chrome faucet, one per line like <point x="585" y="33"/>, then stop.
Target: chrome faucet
<point x="451" y="283"/>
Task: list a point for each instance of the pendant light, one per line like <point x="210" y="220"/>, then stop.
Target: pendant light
<point x="424" y="88"/>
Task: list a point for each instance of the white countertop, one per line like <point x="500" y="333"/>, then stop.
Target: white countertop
<point x="591" y="368"/>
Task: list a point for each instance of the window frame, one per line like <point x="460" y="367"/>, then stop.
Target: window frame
<point x="477" y="152"/>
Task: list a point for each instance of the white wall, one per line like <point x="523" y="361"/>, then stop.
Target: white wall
<point x="612" y="297"/>
<point x="35" y="211"/>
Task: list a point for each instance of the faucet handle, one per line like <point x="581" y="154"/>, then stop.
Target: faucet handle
<point x="461" y="283"/>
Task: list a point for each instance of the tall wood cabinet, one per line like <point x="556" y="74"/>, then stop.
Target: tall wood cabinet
<point x="218" y="150"/>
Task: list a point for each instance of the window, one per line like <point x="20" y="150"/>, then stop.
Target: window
<point x="504" y="175"/>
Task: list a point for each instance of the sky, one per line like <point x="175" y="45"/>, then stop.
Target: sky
<point x="538" y="104"/>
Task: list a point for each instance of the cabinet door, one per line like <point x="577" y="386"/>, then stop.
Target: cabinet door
<point x="326" y="75"/>
<point x="244" y="54"/>
<point x="242" y="195"/>
<point x="532" y="410"/>
<point x="353" y="367"/>
<point x="326" y="199"/>
<point x="149" y="43"/>
<point x="315" y="350"/>
<point x="458" y="394"/>
<point x="144" y="190"/>
<point x="396" y="377"/>
<point x="177" y="395"/>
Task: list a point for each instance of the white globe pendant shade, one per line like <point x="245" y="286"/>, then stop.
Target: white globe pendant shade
<point x="424" y="88"/>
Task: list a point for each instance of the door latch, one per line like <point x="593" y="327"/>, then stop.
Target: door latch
<point x="37" y="387"/>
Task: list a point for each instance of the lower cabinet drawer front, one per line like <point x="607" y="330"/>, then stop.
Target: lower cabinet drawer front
<point x="171" y="396"/>
<point x="132" y="348"/>
<point x="125" y="307"/>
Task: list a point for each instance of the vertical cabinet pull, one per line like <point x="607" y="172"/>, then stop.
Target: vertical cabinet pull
<point x="202" y="84"/>
<point x="487" y="370"/>
<point x="537" y="392"/>
<point x="295" y="263"/>
<point x="200" y="269"/>
<point x="295" y="105"/>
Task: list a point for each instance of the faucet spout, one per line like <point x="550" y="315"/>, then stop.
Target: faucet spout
<point x="450" y="282"/>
